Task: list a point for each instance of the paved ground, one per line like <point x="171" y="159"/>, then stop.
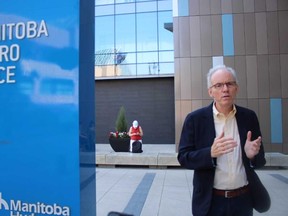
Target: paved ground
<point x="167" y="192"/>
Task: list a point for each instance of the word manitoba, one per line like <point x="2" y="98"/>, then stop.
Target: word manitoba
<point x="19" y="208"/>
<point x="10" y="50"/>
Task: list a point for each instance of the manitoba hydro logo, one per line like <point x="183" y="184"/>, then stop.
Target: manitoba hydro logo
<point x="20" y="208"/>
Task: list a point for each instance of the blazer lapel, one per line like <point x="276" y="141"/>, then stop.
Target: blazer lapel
<point x="241" y="125"/>
<point x="209" y="123"/>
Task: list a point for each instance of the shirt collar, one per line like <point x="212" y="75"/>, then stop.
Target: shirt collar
<point x="217" y="113"/>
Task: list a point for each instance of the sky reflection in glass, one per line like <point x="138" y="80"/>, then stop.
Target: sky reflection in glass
<point x="126" y="37"/>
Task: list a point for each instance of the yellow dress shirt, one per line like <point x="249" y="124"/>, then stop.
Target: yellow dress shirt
<point x="230" y="173"/>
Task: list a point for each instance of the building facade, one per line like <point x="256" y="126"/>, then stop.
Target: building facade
<point x="160" y="76"/>
<point x="134" y="67"/>
<point x="248" y="35"/>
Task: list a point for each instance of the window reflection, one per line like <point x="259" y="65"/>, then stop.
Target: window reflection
<point x="132" y="38"/>
<point x="130" y="58"/>
<point x="104" y="33"/>
<point x="125" y="8"/>
<point x="125" y="32"/>
<point x="105" y="71"/>
<point x="147" y="31"/>
<point x="165" y="5"/>
<point x="147" y="69"/>
<point x="115" y="70"/>
<point x="103" y="2"/>
<point x="166" y="68"/>
<point x="146" y="6"/>
<point x="146" y="57"/>
<point x="144" y="0"/>
<point x="123" y="1"/>
<point x="165" y="36"/>
<point x="105" y="57"/>
<point x="104" y="10"/>
<point x="166" y="56"/>
<point x="127" y="70"/>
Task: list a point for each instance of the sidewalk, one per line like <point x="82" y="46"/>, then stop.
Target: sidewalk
<point x="153" y="184"/>
<point x="168" y="192"/>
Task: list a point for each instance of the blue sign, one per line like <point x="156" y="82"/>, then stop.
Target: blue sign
<point x="39" y="96"/>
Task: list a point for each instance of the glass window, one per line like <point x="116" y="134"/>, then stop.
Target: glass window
<point x="166" y="56"/>
<point x="125" y="8"/>
<point x="103" y="2"/>
<point x="166" y="68"/>
<point x="125" y="58"/>
<point x="165" y="36"/>
<point x="144" y="0"/>
<point x="146" y="6"/>
<point x="147" y="32"/>
<point x="130" y="58"/>
<point x="105" y="71"/>
<point x="125" y="33"/>
<point x="147" y="57"/>
<point x="104" y="10"/>
<point x="147" y="69"/>
<point x="126" y="70"/>
<point x="104" y="34"/>
<point x="165" y="5"/>
<point x="123" y="1"/>
<point x="104" y="58"/>
<point x="133" y="44"/>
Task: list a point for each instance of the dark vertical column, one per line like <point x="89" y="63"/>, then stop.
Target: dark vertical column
<point x="87" y="109"/>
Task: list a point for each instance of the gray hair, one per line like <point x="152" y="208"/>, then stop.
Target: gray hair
<point x="218" y="67"/>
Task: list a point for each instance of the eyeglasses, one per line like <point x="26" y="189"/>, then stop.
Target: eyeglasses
<point x="219" y="86"/>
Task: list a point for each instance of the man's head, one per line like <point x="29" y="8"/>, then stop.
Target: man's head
<point x="222" y="86"/>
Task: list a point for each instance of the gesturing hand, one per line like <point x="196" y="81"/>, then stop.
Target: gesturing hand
<point x="222" y="145"/>
<point x="252" y="147"/>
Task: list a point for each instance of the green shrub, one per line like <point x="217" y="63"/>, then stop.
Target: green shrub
<point x="121" y="122"/>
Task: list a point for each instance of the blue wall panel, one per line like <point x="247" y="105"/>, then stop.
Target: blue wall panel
<point x="40" y="108"/>
<point x="276" y="120"/>
<point x="183" y="8"/>
<point x="228" y="35"/>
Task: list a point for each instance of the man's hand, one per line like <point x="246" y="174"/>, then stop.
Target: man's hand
<point x="252" y="147"/>
<point x="222" y="145"/>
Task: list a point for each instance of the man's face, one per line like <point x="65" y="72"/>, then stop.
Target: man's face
<point x="223" y="89"/>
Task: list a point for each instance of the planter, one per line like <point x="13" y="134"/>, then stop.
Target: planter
<point x="120" y="144"/>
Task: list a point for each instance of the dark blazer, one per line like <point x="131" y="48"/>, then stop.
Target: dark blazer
<point x="197" y="136"/>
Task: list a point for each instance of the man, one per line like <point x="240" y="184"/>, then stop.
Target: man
<point x="222" y="144"/>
